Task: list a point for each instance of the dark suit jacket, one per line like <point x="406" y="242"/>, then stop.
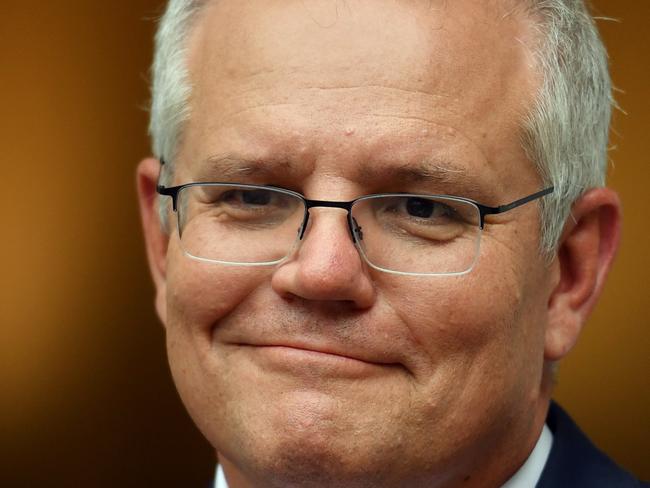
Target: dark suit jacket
<point x="574" y="462"/>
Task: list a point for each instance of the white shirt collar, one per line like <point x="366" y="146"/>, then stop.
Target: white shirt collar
<point x="526" y="477"/>
<point x="220" y="479"/>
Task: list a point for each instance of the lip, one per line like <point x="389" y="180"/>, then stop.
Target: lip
<point x="312" y="361"/>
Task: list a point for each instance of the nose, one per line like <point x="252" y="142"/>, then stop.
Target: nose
<point x="327" y="266"/>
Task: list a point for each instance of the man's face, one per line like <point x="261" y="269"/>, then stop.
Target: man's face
<point x="322" y="368"/>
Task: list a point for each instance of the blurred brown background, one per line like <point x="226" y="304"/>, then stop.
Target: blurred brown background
<point x="86" y="398"/>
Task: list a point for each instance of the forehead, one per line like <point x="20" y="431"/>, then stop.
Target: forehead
<point x="303" y="73"/>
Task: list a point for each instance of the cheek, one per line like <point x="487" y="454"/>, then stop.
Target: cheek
<point x="457" y="312"/>
<point x="199" y="294"/>
<point x="464" y="319"/>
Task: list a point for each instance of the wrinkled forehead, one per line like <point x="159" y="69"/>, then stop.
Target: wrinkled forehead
<point x="467" y="59"/>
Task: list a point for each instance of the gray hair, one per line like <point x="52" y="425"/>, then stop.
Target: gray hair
<point x="170" y="88"/>
<point x="565" y="133"/>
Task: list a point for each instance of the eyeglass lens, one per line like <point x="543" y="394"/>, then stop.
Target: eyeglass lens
<point x="400" y="233"/>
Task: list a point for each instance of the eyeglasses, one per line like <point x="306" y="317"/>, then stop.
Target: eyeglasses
<point x="401" y="233"/>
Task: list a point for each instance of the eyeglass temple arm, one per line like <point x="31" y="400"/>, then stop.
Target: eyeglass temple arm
<point x="163" y="190"/>
<point x="517" y="203"/>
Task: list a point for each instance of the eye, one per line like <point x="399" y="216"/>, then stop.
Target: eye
<point x="248" y="197"/>
<point x="425" y="208"/>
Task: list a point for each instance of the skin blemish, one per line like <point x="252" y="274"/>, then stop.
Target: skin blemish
<point x="349" y="131"/>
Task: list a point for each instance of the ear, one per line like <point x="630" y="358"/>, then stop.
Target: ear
<point x="156" y="238"/>
<point x="585" y="254"/>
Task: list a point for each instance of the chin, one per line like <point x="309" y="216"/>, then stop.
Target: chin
<point x="318" y="445"/>
<point x="315" y="462"/>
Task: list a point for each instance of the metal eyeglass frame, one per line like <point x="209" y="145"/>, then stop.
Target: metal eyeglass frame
<point x="355" y="230"/>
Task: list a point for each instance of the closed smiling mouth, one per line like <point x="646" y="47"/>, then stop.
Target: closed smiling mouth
<point x="296" y="358"/>
<point x="315" y="351"/>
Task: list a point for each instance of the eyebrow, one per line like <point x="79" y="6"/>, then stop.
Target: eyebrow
<point x="432" y="172"/>
<point x="438" y="173"/>
<point x="230" y="167"/>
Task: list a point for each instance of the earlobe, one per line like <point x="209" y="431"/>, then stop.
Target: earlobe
<point x="156" y="239"/>
<point x="585" y="254"/>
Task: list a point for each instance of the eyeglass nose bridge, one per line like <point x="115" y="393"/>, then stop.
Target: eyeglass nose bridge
<point x="355" y="230"/>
